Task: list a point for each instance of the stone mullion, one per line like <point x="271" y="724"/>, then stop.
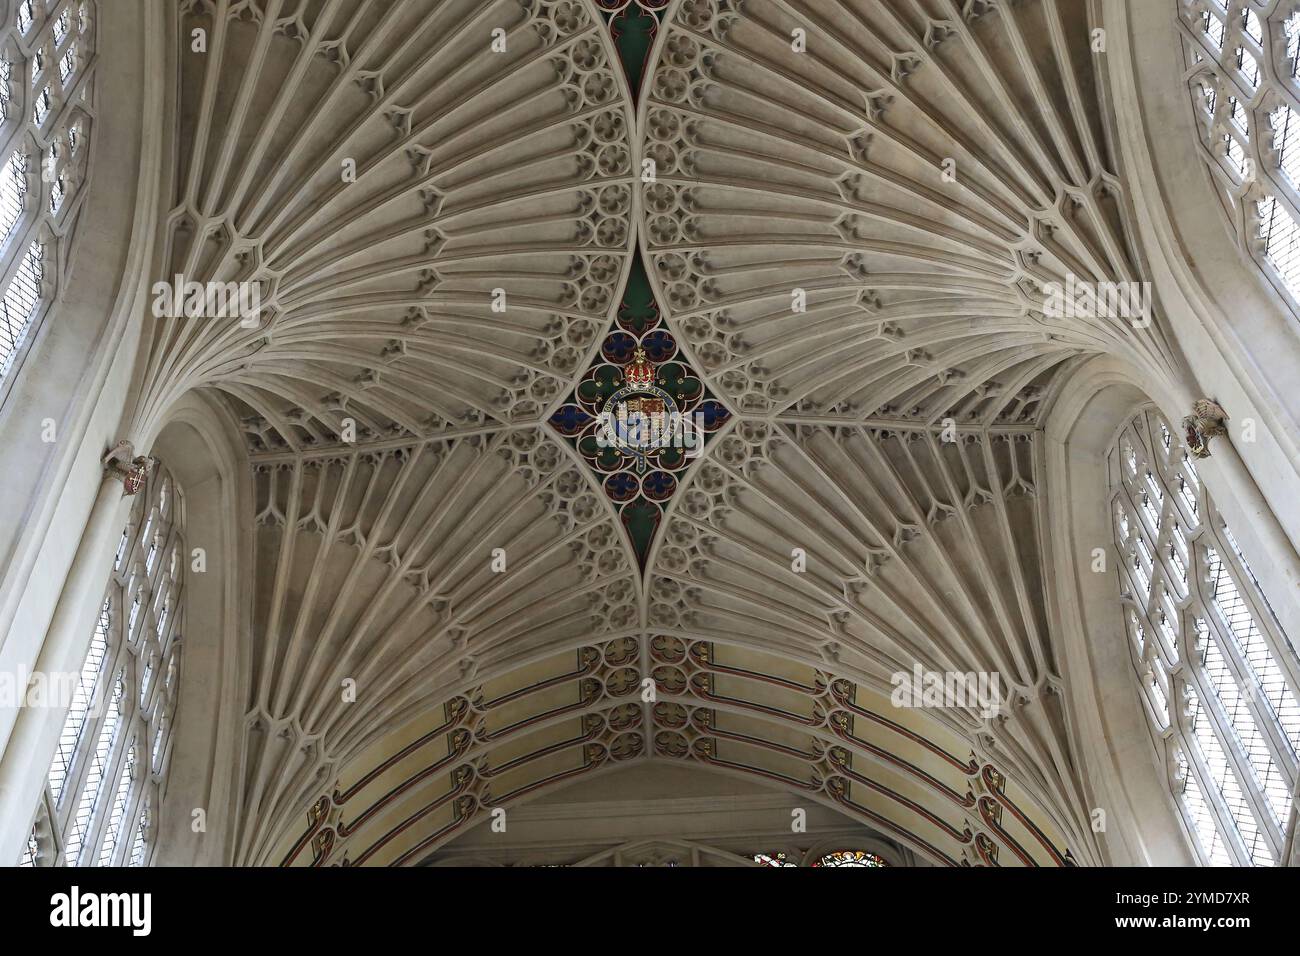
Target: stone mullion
<point x="1224" y="728"/>
<point x="1197" y="764"/>
<point x="1262" y="712"/>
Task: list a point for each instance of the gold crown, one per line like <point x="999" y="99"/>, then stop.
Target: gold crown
<point x="639" y="371"/>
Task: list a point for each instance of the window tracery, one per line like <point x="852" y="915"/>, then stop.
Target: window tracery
<point x="1243" y="58"/>
<point x="110" y="766"/>
<point x="1216" y="672"/>
<point x="45" y="103"/>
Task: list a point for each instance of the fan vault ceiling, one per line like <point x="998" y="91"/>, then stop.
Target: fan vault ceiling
<point x="775" y="172"/>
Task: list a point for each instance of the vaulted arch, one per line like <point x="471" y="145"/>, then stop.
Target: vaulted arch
<point x="448" y="616"/>
<point x="893" y="261"/>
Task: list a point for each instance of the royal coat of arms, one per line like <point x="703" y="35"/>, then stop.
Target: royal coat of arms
<point x="640" y="417"/>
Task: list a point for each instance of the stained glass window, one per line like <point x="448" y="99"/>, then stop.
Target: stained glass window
<point x="1230" y="745"/>
<point x="110" y="765"/>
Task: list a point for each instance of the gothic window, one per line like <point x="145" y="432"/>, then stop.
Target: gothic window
<point x="1216" y="674"/>
<point x="45" y="88"/>
<point x="1243" y="67"/>
<point x="110" y="766"/>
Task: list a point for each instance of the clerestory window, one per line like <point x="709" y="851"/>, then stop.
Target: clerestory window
<point x="109" y="769"/>
<point x="1242" y="59"/>
<point x="1216" y="673"/>
<point x="43" y="113"/>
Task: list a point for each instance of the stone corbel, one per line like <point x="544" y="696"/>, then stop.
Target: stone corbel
<point x="132" y="470"/>
<point x="1208" y="420"/>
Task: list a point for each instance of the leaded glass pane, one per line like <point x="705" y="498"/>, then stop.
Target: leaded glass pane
<point x="112" y="755"/>
<point x="1242" y="69"/>
<point x="1233" y="738"/>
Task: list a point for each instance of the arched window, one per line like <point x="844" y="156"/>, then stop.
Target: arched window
<point x="1243" y="65"/>
<point x="1217" y="674"/>
<point x="45" y="90"/>
<point x="109" y="769"/>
